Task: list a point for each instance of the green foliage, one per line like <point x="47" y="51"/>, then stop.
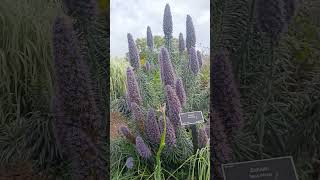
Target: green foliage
<point x="118" y="78"/>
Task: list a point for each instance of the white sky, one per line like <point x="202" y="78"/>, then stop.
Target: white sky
<point x="135" y="15"/>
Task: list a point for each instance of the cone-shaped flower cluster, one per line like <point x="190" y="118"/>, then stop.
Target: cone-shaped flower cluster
<point x="181" y="92"/>
<point x="81" y="8"/>
<point x="166" y="68"/>
<point x="270" y="17"/>
<point x="191" y="34"/>
<point x="182" y="46"/>
<point x="167" y="22"/>
<point x="126" y="132"/>
<point x="142" y="148"/>
<point x="174" y="106"/>
<point x="129" y="163"/>
<point x="134" y="57"/>
<point x="151" y="128"/>
<point x="74" y="104"/>
<point x="138" y="116"/>
<point x="170" y="132"/>
<point x="193" y="60"/>
<point x="218" y="144"/>
<point x="133" y="88"/>
<point x="226" y="97"/>
<point x="149" y="38"/>
<point x="148" y="66"/>
<point x="202" y="138"/>
<point x="199" y="56"/>
<point x="290" y="7"/>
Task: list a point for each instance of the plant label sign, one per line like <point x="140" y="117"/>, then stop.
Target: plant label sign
<point x="189" y="118"/>
<point x="281" y="168"/>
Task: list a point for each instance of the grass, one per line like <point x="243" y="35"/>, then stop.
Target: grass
<point x="118" y="69"/>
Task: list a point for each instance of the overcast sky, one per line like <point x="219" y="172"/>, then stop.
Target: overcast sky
<point x="135" y="15"/>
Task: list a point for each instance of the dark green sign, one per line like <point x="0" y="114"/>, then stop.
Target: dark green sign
<point x="189" y="118"/>
<point x="281" y="168"/>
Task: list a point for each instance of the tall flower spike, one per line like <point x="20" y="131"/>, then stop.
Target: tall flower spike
<point x="166" y="68"/>
<point x="152" y="128"/>
<point x="81" y="8"/>
<point x="180" y="92"/>
<point x="138" y="116"/>
<point x="74" y="105"/>
<point x="142" y="148"/>
<point x="218" y="144"/>
<point x="202" y="138"/>
<point x="290" y="7"/>
<point x="149" y="38"/>
<point x="193" y="60"/>
<point x="191" y="34"/>
<point x="270" y="17"/>
<point x="199" y="59"/>
<point x="126" y="132"/>
<point x="174" y="106"/>
<point x="133" y="52"/>
<point x="170" y="132"/>
<point x="133" y="88"/>
<point x="182" y="46"/>
<point x="226" y="97"/>
<point x="167" y="22"/>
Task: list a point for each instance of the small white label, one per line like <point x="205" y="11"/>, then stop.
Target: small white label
<point x="188" y="118"/>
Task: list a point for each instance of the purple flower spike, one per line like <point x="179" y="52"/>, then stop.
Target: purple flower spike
<point x="132" y="87"/>
<point x="148" y="66"/>
<point x="199" y="56"/>
<point x="181" y="92"/>
<point x="129" y="163"/>
<point x="170" y="132"/>
<point x="166" y="68"/>
<point x="81" y="8"/>
<point x="152" y="128"/>
<point x="191" y="34"/>
<point x="226" y="97"/>
<point x="149" y="38"/>
<point x="174" y="106"/>
<point x="271" y="17"/>
<point x="124" y="130"/>
<point x="167" y="22"/>
<point x="182" y="46"/>
<point x="202" y="138"/>
<point x="142" y="148"/>
<point x="138" y="116"/>
<point x="133" y="52"/>
<point x="193" y="60"/>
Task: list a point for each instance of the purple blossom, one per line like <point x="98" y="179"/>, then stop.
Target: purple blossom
<point x="74" y="104"/>
<point x="271" y="17"/>
<point x="126" y="132"/>
<point x="170" y="132"/>
<point x="167" y="22"/>
<point x="202" y="138"/>
<point x="133" y="52"/>
<point x="142" y="148"/>
<point x="225" y="94"/>
<point x="149" y="38"/>
<point x="81" y="8"/>
<point x="180" y="92"/>
<point x="174" y="106"/>
<point x="193" y="60"/>
<point x="191" y="34"/>
<point x="166" y="68"/>
<point x="132" y="87"/>
<point x="129" y="163"/>
<point x="148" y="66"/>
<point x="138" y="116"/>
<point x="182" y="46"/>
<point x="152" y="128"/>
<point x="199" y="56"/>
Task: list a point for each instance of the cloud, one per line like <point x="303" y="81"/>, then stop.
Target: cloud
<point x="135" y="15"/>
